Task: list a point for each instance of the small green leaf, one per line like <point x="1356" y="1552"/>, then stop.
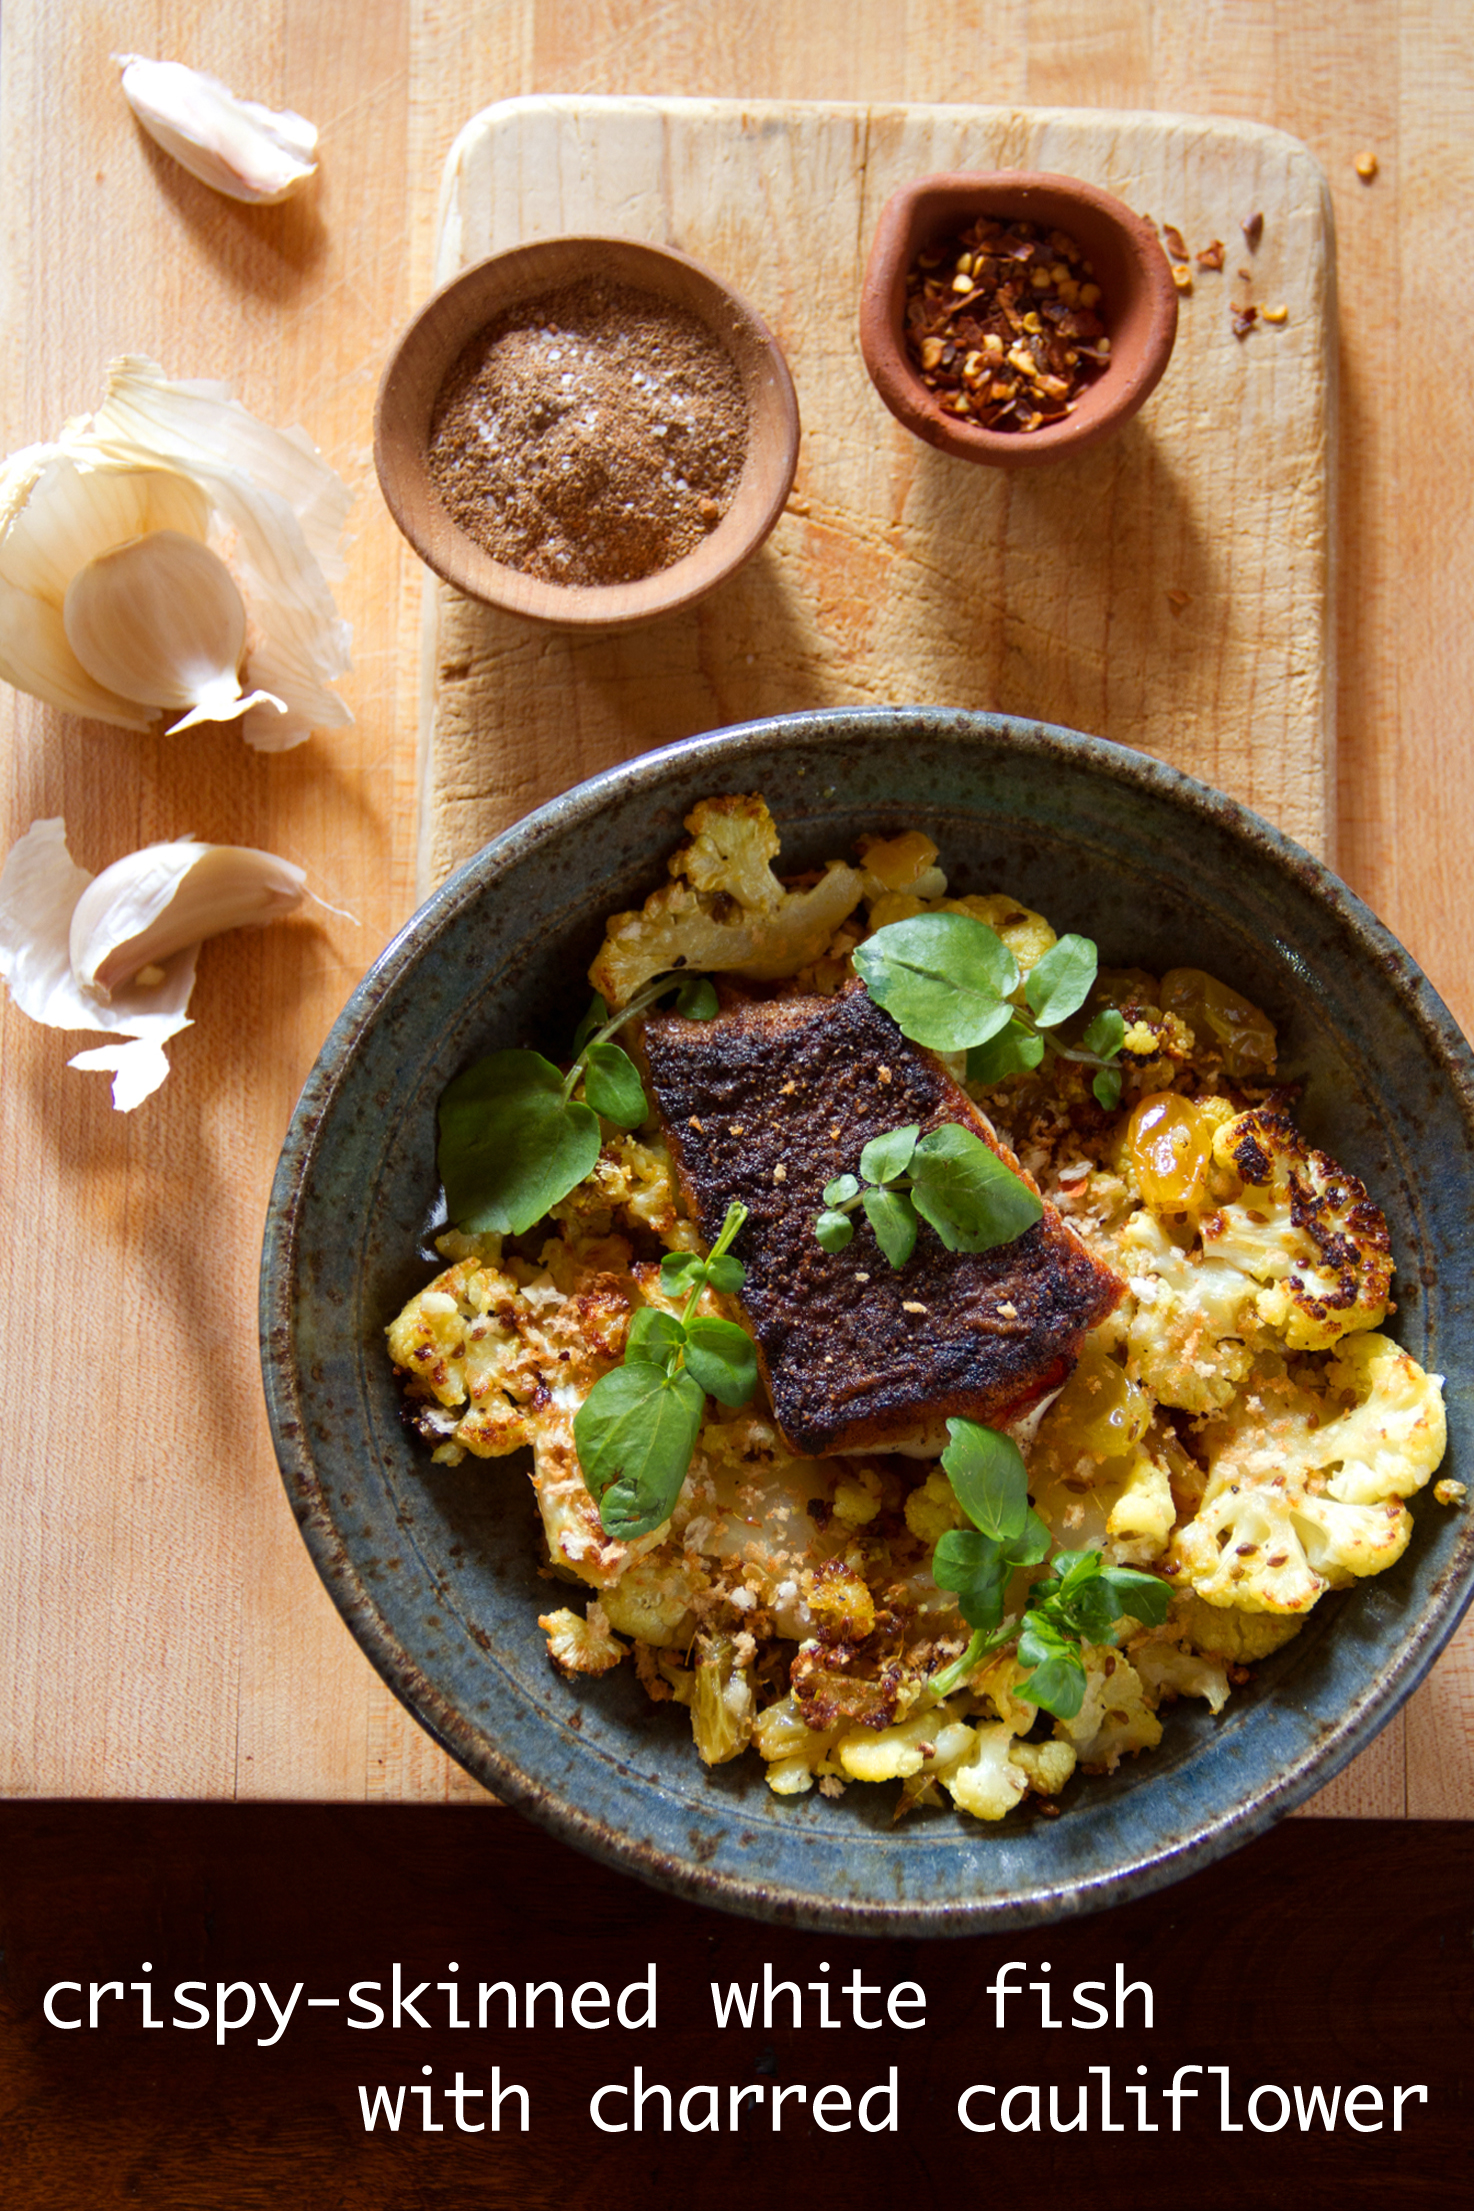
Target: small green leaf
<point x="697" y="999"/>
<point x="725" y="1273"/>
<point x="1011" y="1052"/>
<point x="721" y="1359"/>
<point x="1059" y="984"/>
<point x="1106" y="1033"/>
<point x="893" y="1218"/>
<point x="591" y="1023"/>
<point x="635" y="1432"/>
<point x="678" y="1272"/>
<point x="842" y="1188"/>
<point x="612" y="1086"/>
<point x="973" y="1567"/>
<point x="510" y="1144"/>
<point x="943" y="978"/>
<point x="1107" y="1088"/>
<point x="1027" y="1549"/>
<point x="1057" y="1682"/>
<point x="833" y="1230"/>
<point x="971" y="1199"/>
<point x="654" y="1337"/>
<point x="886" y="1158"/>
<point x="1111" y="1594"/>
<point x="988" y="1478"/>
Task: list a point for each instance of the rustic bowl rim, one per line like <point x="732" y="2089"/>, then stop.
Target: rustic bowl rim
<point x="1166" y="1820"/>
<point x="927" y="207"/>
<point x="426" y="350"/>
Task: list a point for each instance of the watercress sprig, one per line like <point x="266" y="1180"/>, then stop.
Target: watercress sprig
<point x="950" y="1178"/>
<point x="1081" y="1595"/>
<point x="949" y="982"/>
<point x="514" y="1139"/>
<point x="637" y="1428"/>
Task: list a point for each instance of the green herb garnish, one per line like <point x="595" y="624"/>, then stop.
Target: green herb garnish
<point x="637" y="1428"/>
<point x="950" y="1178"/>
<point x="514" y="1139"/>
<point x="949" y="981"/>
<point x="1080" y="1596"/>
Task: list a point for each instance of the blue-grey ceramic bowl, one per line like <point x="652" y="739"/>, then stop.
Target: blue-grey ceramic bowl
<point x="435" y="1569"/>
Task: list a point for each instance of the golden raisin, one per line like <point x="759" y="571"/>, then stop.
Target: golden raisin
<point x="1170" y="1147"/>
<point x="1098" y="1411"/>
<point x="1218" y="1015"/>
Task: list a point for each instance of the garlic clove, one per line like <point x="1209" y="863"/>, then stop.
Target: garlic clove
<point x="63" y="516"/>
<point x="238" y="147"/>
<point x="130" y="921"/>
<point x="160" y="621"/>
<point x="40" y="885"/>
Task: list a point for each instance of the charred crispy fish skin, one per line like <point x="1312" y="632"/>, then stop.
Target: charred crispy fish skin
<point x="768" y="1103"/>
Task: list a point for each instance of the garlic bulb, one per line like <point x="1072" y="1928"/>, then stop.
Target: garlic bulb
<point x="237" y="146"/>
<point x="184" y="458"/>
<point x="160" y="620"/>
<point x="116" y="952"/>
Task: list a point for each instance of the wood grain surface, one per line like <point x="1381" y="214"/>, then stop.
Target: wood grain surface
<point x="162" y="1632"/>
<point x="1270" y="1964"/>
<point x="1169" y="590"/>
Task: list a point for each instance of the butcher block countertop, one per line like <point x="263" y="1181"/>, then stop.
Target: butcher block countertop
<point x="162" y="1631"/>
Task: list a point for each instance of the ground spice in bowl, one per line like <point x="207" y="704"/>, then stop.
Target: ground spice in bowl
<point x="1003" y="324"/>
<point x="592" y="435"/>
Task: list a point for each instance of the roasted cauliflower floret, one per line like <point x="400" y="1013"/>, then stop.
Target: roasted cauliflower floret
<point x="723" y="1706"/>
<point x="1305" y="1493"/>
<point x="725" y="911"/>
<point x="1189" y="1323"/>
<point x="1114" y="1719"/>
<point x="631" y="1188"/>
<point x="1302" y="1226"/>
<point x="580" y="1646"/>
<point x="1223" y="1631"/>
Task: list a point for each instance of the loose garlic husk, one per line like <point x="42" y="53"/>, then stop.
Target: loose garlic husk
<point x="160" y="458"/>
<point x="236" y="146"/>
<point x="159" y="619"/>
<point x="117" y="952"/>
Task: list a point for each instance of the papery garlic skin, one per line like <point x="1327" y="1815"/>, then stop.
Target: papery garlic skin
<point x="238" y="147"/>
<point x="184" y="457"/>
<point x="143" y="910"/>
<point x="117" y="952"/>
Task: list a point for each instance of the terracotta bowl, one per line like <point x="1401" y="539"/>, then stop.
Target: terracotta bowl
<point x="434" y="342"/>
<point x="1138" y="306"/>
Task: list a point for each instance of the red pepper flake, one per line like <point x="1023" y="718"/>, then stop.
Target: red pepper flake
<point x="1003" y="323"/>
<point x="1244" y="319"/>
<point x="1253" y="229"/>
<point x="1211" y="256"/>
<point x="1175" y="244"/>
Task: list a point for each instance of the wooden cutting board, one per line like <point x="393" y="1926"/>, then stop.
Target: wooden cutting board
<point x="1169" y="590"/>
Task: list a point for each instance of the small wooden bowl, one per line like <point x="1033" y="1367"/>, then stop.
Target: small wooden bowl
<point x="1138" y="306"/>
<point x="434" y="343"/>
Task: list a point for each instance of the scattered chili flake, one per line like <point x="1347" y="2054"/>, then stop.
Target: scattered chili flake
<point x="1182" y="276"/>
<point x="1366" y="166"/>
<point x="1175" y="245"/>
<point x="1275" y="314"/>
<point x="1003" y="323"/>
<point x="1253" y="229"/>
<point x="1244" y="319"/>
<point x="1211" y="256"/>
